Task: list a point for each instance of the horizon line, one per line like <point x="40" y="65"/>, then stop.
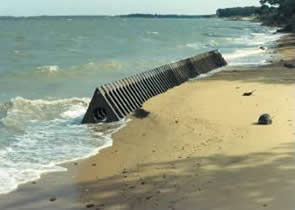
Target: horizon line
<point x="94" y="15"/>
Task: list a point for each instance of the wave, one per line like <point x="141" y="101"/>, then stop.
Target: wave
<point x="195" y="45"/>
<point x="20" y="111"/>
<point x="55" y="72"/>
<point x="48" y="69"/>
<point x="243" y="53"/>
<point x="46" y="134"/>
<point x="152" y="32"/>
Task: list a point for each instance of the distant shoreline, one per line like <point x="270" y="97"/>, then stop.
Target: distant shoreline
<point x="113" y="16"/>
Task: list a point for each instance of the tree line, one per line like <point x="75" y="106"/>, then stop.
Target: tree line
<point x="237" y="11"/>
<point x="278" y="13"/>
<point x="272" y="12"/>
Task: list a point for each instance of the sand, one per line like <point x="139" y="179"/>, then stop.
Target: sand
<point x="198" y="147"/>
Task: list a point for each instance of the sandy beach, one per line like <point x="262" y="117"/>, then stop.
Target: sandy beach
<point x="198" y="146"/>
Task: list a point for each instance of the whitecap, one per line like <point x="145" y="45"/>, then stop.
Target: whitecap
<point x="152" y="32"/>
<point x="48" y="69"/>
<point x="51" y="135"/>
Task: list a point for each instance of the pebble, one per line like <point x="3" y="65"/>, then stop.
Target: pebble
<point x="265" y="119"/>
<point x="90" y="205"/>
<point x="148" y="197"/>
<point x="52" y="199"/>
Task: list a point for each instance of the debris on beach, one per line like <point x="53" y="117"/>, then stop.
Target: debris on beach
<point x="52" y="199"/>
<point x="90" y="205"/>
<point x="141" y="113"/>
<point x="262" y="48"/>
<point x="265" y="119"/>
<point x="249" y="93"/>
<point x="289" y="65"/>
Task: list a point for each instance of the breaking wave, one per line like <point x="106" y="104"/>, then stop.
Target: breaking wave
<point x="46" y="134"/>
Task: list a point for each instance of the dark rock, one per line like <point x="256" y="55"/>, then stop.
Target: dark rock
<point x="52" y="199"/>
<point x="148" y="197"/>
<point x="93" y="164"/>
<point x="249" y="93"/>
<point x="90" y="205"/>
<point x="289" y="65"/>
<point x="34" y="182"/>
<point x="141" y="113"/>
<point x="75" y="163"/>
<point x="262" y="48"/>
<point x="265" y="119"/>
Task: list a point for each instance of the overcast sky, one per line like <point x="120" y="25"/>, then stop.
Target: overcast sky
<point x="114" y="7"/>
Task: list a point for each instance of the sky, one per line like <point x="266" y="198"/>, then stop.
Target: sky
<point x="115" y="7"/>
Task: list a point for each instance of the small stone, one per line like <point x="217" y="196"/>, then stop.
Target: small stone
<point x="75" y="163"/>
<point x="265" y="205"/>
<point x="52" y="199"/>
<point x="142" y="183"/>
<point x="89" y="205"/>
<point x="148" y="197"/>
<point x="34" y="182"/>
<point x="265" y="119"/>
<point x="249" y="93"/>
<point x="93" y="164"/>
<point x="176" y="121"/>
<point x="262" y="48"/>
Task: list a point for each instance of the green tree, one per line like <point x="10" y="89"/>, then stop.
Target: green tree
<point x="282" y="13"/>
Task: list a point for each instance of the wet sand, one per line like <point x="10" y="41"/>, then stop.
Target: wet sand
<point x="198" y="146"/>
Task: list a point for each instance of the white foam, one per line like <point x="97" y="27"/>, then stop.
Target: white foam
<point x="74" y="111"/>
<point x="45" y="142"/>
<point x="48" y="69"/>
<point x="243" y="53"/>
<point x="194" y="45"/>
<point x="153" y="32"/>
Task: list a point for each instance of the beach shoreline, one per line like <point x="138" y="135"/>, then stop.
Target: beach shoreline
<point x="196" y="143"/>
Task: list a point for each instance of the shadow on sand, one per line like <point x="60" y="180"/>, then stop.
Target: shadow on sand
<point x="250" y="181"/>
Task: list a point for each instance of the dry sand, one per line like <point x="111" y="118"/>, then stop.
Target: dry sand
<point x="199" y="147"/>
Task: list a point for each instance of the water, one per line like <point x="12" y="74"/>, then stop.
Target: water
<point x="51" y="65"/>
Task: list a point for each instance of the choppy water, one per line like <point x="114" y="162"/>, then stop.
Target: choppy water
<point x="51" y="65"/>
